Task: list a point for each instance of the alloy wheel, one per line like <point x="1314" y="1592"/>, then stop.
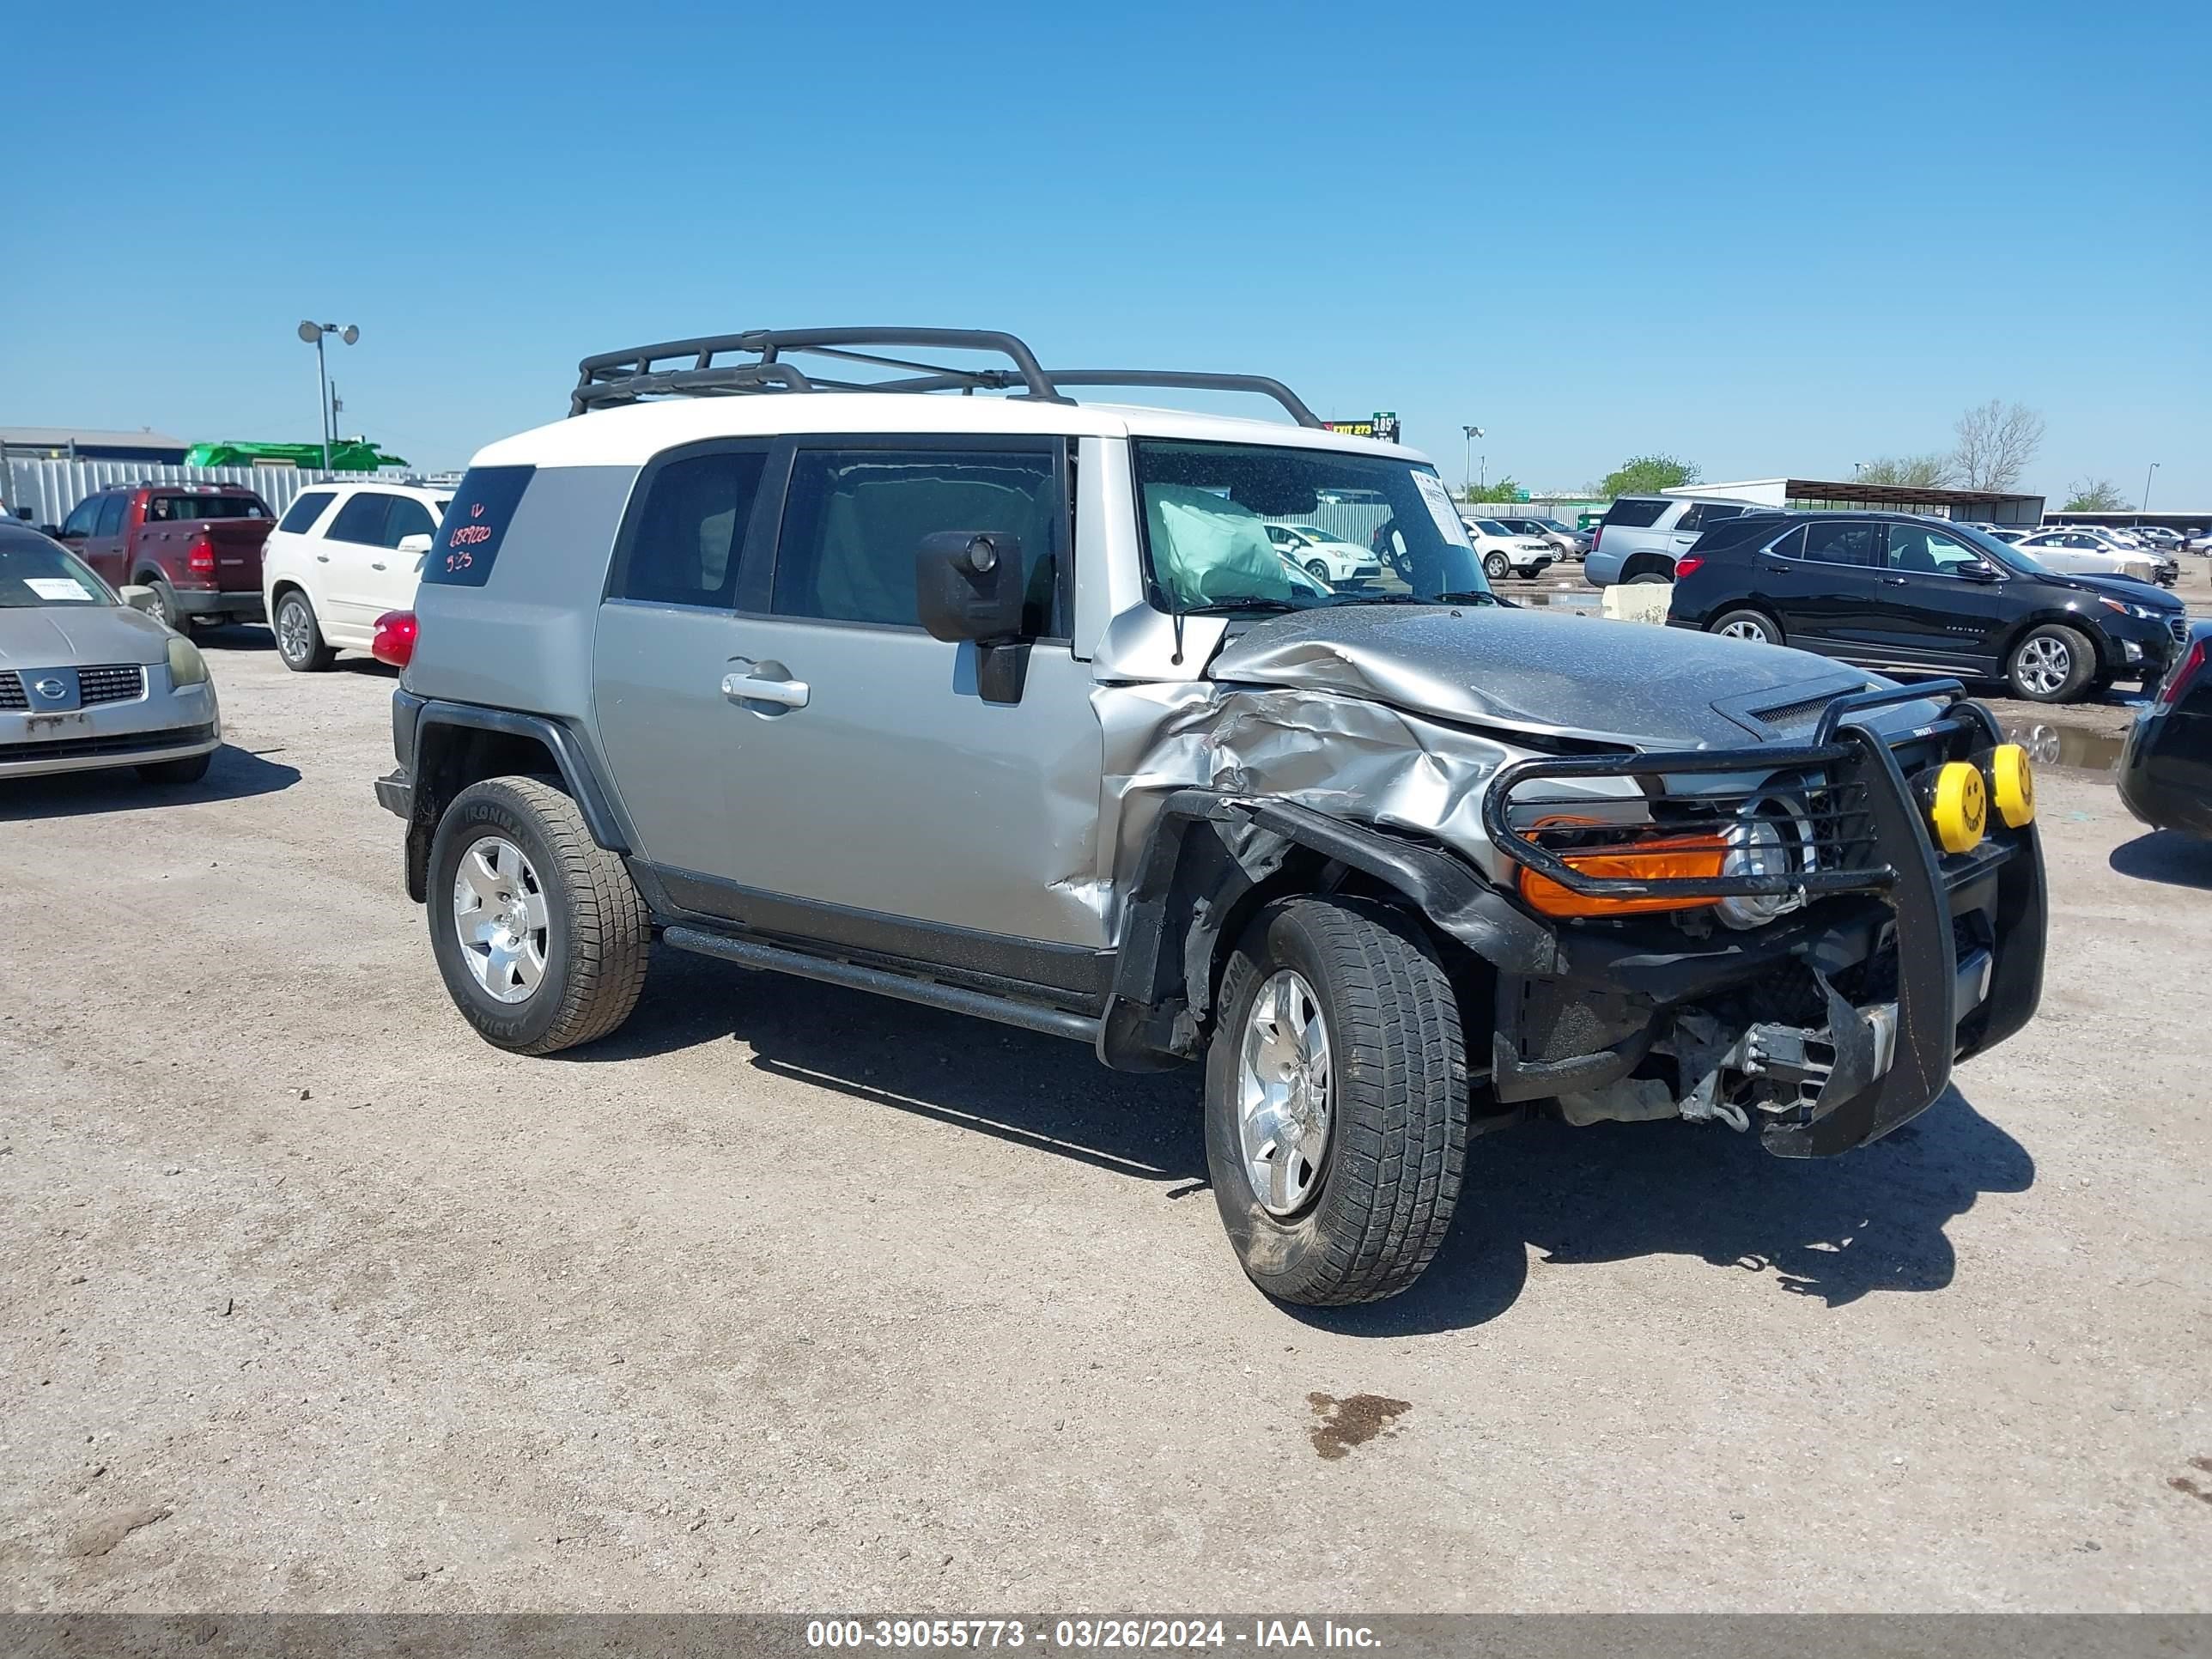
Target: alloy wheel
<point x="1285" y="1093"/>
<point x="500" y="918"/>
<point x="2044" y="665"/>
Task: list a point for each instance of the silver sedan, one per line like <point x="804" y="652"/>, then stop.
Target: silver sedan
<point x="86" y="681"/>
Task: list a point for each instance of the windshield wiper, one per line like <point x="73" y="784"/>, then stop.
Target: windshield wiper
<point x="1471" y="596"/>
<point x="1231" y="607"/>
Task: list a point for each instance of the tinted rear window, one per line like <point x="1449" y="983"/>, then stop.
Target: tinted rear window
<point x="475" y="526"/>
<point x="174" y="508"/>
<point x="1635" y="515"/>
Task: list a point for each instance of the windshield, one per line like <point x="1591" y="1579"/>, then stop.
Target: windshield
<point x="1206" y="513"/>
<point x="38" y="572"/>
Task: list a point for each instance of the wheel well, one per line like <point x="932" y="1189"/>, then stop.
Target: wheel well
<point x="1638" y="564"/>
<point x="447" y="760"/>
<point x="287" y="584"/>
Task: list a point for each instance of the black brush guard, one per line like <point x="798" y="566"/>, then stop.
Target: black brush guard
<point x="1896" y="861"/>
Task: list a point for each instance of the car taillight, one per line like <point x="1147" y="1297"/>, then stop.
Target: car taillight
<point x="394" y="640"/>
<point x="201" y="560"/>
<point x="1596" y="536"/>
<point x="1686" y="566"/>
<point x="2177" y="682"/>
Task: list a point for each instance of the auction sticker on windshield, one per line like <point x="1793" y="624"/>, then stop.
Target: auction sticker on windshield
<point x="56" y="587"/>
<point x="1441" y="508"/>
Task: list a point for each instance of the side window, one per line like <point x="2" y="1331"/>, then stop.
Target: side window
<point x="304" y="512"/>
<point x="691" y="530"/>
<point x="1849" y="542"/>
<point x="854" y="517"/>
<point x="1918" y="548"/>
<point x="362" y="519"/>
<point x="407" y="517"/>
<point x="81" y="516"/>
<point x="111" y="515"/>
<point x="1791" y="546"/>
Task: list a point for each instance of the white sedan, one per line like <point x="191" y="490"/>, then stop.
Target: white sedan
<point x="2085" y="552"/>
<point x="1503" y="553"/>
<point x="1329" y="560"/>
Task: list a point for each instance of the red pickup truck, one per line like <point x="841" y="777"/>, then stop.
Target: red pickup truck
<point x="198" y="546"/>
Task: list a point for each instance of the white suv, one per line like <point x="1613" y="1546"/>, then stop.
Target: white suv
<point x="343" y="556"/>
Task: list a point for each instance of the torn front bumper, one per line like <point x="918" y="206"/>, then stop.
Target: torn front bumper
<point x="1829" y="1028"/>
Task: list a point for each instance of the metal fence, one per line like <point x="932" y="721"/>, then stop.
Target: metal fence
<point x="50" y="488"/>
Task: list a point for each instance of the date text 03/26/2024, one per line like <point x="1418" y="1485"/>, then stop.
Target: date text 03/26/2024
<point x="1089" y="1634"/>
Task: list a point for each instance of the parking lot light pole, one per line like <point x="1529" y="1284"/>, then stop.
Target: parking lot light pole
<point x="312" y="334"/>
<point x="2145" y="507"/>
<point x="1467" y="473"/>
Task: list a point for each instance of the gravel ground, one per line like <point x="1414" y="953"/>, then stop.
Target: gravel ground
<point x="789" y="1299"/>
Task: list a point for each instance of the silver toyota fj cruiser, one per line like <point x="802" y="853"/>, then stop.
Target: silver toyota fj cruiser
<point x="1009" y="705"/>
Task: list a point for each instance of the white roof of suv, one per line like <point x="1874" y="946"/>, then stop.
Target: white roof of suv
<point x="632" y="436"/>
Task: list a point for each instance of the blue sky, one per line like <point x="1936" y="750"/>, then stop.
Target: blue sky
<point x="1771" y="238"/>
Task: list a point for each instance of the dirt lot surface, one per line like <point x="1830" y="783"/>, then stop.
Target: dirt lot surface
<point x="786" y="1297"/>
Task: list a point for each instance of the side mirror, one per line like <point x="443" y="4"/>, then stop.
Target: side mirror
<point x="141" y="598"/>
<point x="1980" y="570"/>
<point x="416" y="546"/>
<point x="968" y="587"/>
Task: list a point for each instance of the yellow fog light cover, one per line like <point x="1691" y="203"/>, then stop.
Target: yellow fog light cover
<point x="1959" y="809"/>
<point x="2012" y="785"/>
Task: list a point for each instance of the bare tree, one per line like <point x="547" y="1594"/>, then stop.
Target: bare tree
<point x="1996" y="442"/>
<point x="1931" y="472"/>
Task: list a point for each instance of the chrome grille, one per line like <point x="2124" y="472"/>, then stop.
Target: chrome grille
<point x="11" y="690"/>
<point x="110" y="682"/>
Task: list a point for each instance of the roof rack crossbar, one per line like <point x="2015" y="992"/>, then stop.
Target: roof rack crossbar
<point x="625" y="376"/>
<point x="1261" y="384"/>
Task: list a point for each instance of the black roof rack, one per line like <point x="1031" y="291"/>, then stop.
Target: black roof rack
<point x="613" y="378"/>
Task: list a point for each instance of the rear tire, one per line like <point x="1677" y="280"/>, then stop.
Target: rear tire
<point x="1746" y="624"/>
<point x="1649" y="578"/>
<point x="164" y="603"/>
<point x="1370" y="1197"/>
<point x="550" y="952"/>
<point x="2052" y="664"/>
<point x="191" y="769"/>
<point x="299" y="636"/>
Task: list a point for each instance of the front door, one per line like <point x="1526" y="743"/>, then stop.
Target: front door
<point x="798" y="755"/>
<point x="1944" y="618"/>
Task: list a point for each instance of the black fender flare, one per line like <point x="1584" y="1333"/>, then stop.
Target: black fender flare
<point x="1208" y="849"/>
<point x="578" y="776"/>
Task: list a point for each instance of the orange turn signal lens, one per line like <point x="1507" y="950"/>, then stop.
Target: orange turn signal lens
<point x="1673" y="858"/>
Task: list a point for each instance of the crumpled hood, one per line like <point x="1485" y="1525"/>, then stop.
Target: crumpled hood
<point x="1537" y="672"/>
<point x="74" y="635"/>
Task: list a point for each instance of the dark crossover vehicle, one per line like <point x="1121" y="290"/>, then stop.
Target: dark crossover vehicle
<point x="1905" y="593"/>
<point x="2165" y="773"/>
<point x="1010" y="706"/>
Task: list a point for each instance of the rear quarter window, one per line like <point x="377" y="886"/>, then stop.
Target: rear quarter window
<point x="1635" y="515"/>
<point x="468" y="540"/>
<point x="304" y="512"/>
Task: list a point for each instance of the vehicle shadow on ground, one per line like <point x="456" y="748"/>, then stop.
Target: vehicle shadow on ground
<point x="1043" y="1092"/>
<point x="249" y="638"/>
<point x="2177" y="860"/>
<point x="1833" y="1228"/>
<point x="233" y="775"/>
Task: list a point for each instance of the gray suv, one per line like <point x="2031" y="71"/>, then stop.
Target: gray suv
<point x="1009" y="705"/>
<point x="1640" y="537"/>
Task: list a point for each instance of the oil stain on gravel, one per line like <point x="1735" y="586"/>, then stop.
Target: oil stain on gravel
<point x="1352" y="1421"/>
<point x="2182" y="1483"/>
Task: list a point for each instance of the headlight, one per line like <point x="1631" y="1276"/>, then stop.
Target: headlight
<point x="187" y="665"/>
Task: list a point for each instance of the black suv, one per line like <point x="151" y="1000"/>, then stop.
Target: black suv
<point x="1898" y="592"/>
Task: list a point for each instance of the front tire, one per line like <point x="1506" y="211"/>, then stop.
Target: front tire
<point x="2052" y="664"/>
<point x="538" y="932"/>
<point x="299" y="636"/>
<point x="1336" y="1102"/>
<point x="1319" y="572"/>
<point x="1745" y="624"/>
<point x="1497" y="567"/>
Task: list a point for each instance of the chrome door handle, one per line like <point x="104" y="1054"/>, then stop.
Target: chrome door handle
<point x="744" y="688"/>
<point x="322" y="558"/>
<point x="1892" y="581"/>
<point x="377" y="565"/>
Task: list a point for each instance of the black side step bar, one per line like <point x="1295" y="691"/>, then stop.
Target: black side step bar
<point x="750" y="953"/>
